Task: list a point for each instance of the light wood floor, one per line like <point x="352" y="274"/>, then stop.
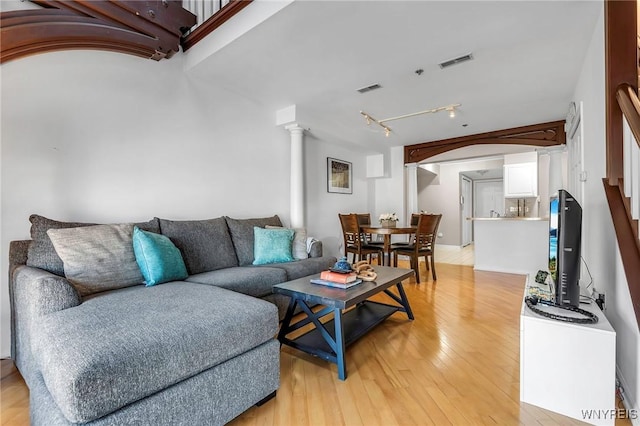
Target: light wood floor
<point x="457" y="363"/>
<point x="456" y="255"/>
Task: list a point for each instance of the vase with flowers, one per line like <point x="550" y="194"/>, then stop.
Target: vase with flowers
<point x="388" y="220"/>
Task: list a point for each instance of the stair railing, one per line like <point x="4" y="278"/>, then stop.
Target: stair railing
<point x="211" y="14"/>
<point x="630" y="106"/>
<point x="203" y="9"/>
<point x="623" y="194"/>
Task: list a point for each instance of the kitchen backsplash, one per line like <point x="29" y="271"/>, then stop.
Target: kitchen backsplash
<point x="520" y="207"/>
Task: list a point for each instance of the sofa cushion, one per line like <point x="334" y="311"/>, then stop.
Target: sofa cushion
<point x="272" y="245"/>
<point x="299" y="245"/>
<point x="41" y="252"/>
<point x="159" y="259"/>
<point x="205" y="244"/>
<point x="302" y="268"/>
<point x="97" y="258"/>
<point x="243" y="279"/>
<point x="121" y="346"/>
<point x="242" y="235"/>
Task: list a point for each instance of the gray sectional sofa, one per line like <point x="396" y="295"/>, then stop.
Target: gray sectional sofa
<point x="198" y="351"/>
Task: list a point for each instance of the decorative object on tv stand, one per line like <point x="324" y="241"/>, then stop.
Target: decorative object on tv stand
<point x="451" y="109"/>
<point x="339" y="176"/>
<point x="388" y="220"/>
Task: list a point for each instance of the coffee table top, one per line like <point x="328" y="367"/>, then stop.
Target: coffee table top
<point x="302" y="288"/>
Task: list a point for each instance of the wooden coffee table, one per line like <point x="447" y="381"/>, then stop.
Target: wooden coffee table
<point x="353" y="314"/>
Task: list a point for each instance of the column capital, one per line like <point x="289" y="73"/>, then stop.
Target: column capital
<point x="552" y="149"/>
<point x="294" y="128"/>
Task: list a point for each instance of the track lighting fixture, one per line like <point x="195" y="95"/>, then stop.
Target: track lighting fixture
<point x="387" y="130"/>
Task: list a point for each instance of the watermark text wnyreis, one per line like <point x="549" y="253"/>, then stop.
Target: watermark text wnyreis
<point x="614" y="413"/>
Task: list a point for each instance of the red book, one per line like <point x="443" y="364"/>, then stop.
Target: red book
<point x="337" y="277"/>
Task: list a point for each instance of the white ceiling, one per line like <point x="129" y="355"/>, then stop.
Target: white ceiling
<point x="483" y="174"/>
<point x="315" y="54"/>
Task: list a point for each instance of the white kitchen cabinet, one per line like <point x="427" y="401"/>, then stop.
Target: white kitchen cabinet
<point x="521" y="180"/>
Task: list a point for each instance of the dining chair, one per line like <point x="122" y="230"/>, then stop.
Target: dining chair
<point x="354" y="242"/>
<point x="364" y="219"/>
<point x="412" y="237"/>
<point x="422" y="246"/>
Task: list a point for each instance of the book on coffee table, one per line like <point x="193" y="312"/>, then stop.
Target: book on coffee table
<point x="335" y="284"/>
<point x="338" y="277"/>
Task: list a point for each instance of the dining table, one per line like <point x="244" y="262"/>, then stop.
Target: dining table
<point x="387" y="232"/>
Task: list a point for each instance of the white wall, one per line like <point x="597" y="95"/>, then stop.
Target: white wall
<point x="599" y="243"/>
<point x="323" y="207"/>
<point x="105" y="137"/>
<point x="390" y="191"/>
<point x="443" y="195"/>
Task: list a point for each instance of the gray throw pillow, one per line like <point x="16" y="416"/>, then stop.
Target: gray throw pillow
<point x="97" y="258"/>
<point x="41" y="253"/>
<point x="242" y="235"/>
<point x="205" y="244"/>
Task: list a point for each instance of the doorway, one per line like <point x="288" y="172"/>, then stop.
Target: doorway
<point x="488" y="198"/>
<point x="466" y="207"/>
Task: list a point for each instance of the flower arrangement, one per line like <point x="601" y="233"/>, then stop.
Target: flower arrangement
<point x="388" y="217"/>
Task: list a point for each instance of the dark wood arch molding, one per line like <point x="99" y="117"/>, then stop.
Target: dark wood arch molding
<point x="150" y="29"/>
<point x="544" y="134"/>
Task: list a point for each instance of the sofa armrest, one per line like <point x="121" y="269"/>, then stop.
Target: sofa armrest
<point x="35" y="293"/>
<point x="43" y="292"/>
<point x="314" y="247"/>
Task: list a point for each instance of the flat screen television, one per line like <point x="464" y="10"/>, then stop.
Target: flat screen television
<point x="565" y="232"/>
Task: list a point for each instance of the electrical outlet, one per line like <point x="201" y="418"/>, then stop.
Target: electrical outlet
<point x="440" y="235"/>
<point x="600" y="301"/>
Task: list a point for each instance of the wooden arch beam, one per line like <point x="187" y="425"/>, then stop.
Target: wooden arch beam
<point x="544" y="134"/>
<point x="150" y="29"/>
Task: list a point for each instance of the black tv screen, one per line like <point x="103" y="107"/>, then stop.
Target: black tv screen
<point x="565" y="231"/>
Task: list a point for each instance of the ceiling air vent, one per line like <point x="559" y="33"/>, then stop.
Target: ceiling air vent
<point x="454" y="61"/>
<point x="369" y="88"/>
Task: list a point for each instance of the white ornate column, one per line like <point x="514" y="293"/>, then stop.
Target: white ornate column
<point x="412" y="190"/>
<point x="297" y="175"/>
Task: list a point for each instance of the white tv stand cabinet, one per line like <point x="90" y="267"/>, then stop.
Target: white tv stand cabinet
<point x="566" y="367"/>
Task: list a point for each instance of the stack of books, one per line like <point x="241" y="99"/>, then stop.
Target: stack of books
<point x="337" y="279"/>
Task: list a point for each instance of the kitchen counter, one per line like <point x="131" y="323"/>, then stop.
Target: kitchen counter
<point x="515" y="245"/>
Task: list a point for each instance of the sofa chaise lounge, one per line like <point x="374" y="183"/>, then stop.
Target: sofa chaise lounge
<point x="200" y="350"/>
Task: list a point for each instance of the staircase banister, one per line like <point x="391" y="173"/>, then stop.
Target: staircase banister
<point x="630" y="106"/>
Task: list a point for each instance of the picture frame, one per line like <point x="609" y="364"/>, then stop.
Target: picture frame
<point x="339" y="176"/>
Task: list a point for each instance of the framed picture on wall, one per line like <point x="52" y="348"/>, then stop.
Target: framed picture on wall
<point x="339" y="176"/>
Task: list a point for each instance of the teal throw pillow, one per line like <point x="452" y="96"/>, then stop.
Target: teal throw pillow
<point x="272" y="245"/>
<point x="158" y="258"/>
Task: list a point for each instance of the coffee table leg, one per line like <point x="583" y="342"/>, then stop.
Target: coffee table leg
<point x="340" y="346"/>
<point x="286" y="322"/>
<point x="405" y="301"/>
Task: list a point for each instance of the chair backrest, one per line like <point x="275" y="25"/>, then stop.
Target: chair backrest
<point x="350" y="229"/>
<point x="427" y="231"/>
<point x="364" y="219"/>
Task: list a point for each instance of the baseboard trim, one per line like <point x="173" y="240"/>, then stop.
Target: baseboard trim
<point x="503" y="271"/>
